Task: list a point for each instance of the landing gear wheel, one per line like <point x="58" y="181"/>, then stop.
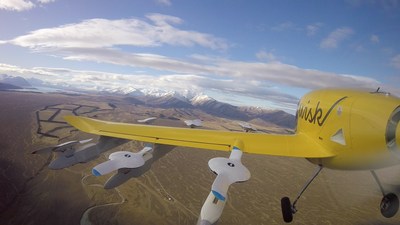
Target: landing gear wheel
<point x="287" y="211"/>
<point x="389" y="205"/>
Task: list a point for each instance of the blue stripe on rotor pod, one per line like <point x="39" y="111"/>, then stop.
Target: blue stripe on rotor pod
<point x="96" y="173"/>
<point x="218" y="195"/>
<point x="235" y="148"/>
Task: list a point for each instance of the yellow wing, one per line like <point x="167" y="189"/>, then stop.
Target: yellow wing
<point x="298" y="145"/>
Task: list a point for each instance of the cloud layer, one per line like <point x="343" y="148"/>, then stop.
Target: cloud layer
<point x="102" y="33"/>
<point x="100" y="40"/>
<point x="102" y="81"/>
<point x="106" y="41"/>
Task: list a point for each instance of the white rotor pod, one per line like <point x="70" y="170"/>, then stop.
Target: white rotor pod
<point x="229" y="170"/>
<point x="211" y="210"/>
<point x="122" y="159"/>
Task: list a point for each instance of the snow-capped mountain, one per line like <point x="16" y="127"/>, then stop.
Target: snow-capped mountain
<point x="167" y="100"/>
<point x="214" y="107"/>
<point x="184" y="95"/>
<point x="201" y="99"/>
<point x="190" y="100"/>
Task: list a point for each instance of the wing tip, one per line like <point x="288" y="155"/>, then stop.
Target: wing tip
<point x="81" y="123"/>
<point x="69" y="118"/>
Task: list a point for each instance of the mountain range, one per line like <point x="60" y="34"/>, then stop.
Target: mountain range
<point x="184" y="99"/>
<point x="213" y="107"/>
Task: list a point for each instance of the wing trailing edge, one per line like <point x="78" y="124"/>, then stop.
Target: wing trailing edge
<point x="297" y="145"/>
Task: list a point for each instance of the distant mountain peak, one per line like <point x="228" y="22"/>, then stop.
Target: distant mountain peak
<point x="201" y="99"/>
<point x="17" y="81"/>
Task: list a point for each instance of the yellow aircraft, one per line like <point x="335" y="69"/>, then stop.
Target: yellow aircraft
<point x="336" y="128"/>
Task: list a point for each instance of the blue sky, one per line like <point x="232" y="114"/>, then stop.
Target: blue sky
<point x="260" y="53"/>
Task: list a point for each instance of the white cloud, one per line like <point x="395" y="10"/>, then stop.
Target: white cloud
<point x="103" y="33"/>
<point x="395" y="61"/>
<point x="336" y="37"/>
<point x="16" y="5"/>
<point x="374" y="38"/>
<point x="18" y="71"/>
<point x="275" y="72"/>
<point x="272" y="72"/>
<point x="290" y="75"/>
<point x="141" y="60"/>
<point x="21" y="5"/>
<point x="312" y="29"/>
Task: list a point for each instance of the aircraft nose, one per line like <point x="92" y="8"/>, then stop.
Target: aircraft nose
<point x="396" y="122"/>
<point x="393" y="132"/>
<point x="398" y="135"/>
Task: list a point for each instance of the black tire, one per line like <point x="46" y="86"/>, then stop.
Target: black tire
<point x="389" y="205"/>
<point x="287" y="212"/>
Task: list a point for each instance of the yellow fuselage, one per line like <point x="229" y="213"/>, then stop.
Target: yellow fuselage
<point x="361" y="127"/>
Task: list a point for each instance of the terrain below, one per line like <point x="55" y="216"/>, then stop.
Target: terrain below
<point x="173" y="191"/>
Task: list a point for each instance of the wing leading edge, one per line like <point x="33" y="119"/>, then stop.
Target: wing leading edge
<point x="297" y="145"/>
